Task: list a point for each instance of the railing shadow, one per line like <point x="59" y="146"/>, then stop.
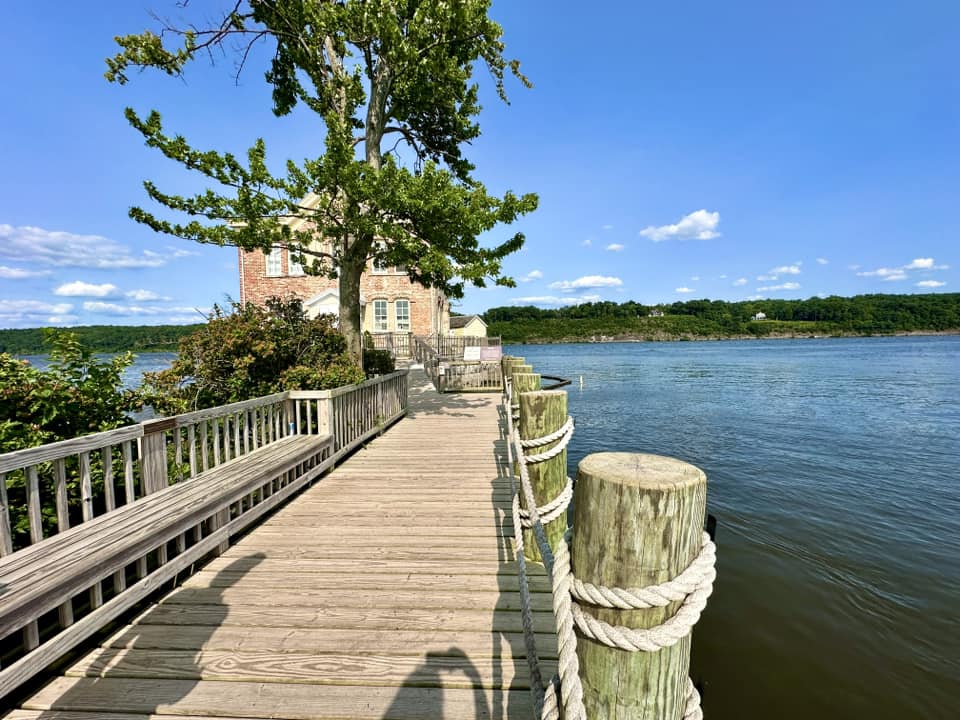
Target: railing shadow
<point x="125" y="656"/>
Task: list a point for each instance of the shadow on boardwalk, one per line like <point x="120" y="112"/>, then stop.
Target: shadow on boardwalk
<point x="437" y="667"/>
<point x="114" y="681"/>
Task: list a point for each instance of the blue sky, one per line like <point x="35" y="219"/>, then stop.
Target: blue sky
<point x="680" y="150"/>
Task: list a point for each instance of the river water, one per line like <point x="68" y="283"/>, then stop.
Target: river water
<point x="834" y="472"/>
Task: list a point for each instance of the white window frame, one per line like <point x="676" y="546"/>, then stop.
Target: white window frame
<point x="273" y="264"/>
<point x="375" y="265"/>
<point x="377" y="326"/>
<point x="293" y="267"/>
<point x="402" y="325"/>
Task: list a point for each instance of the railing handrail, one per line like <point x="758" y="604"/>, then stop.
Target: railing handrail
<point x="17" y="459"/>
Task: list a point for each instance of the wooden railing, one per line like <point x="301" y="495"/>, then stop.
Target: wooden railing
<point x="352" y="413"/>
<point x="85" y="477"/>
<point x="457" y="375"/>
<point x="109" y="517"/>
<point x="397" y="343"/>
<point x="450" y="347"/>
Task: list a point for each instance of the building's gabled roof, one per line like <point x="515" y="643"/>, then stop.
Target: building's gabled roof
<point x="461" y="321"/>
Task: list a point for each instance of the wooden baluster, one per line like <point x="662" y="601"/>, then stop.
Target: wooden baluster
<point x="204" y="452"/>
<point x="65" y="611"/>
<point x="6" y="536"/>
<point x="192" y="442"/>
<point x="216" y="441"/>
<point x="33" y="505"/>
<point x="109" y="498"/>
<point x="178" y="453"/>
<point x="60" y="489"/>
<point x="130" y="492"/>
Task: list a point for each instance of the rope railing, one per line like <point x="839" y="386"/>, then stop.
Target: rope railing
<point x="692" y="587"/>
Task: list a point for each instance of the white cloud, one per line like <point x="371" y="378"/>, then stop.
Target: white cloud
<point x="145" y="295"/>
<point x="885" y="273"/>
<point x="25" y="313"/>
<point x="9" y="273"/>
<point x="78" y="288"/>
<point x="900" y="273"/>
<point x="684" y="290"/>
<point x="532" y="275"/>
<point x="723" y="277"/>
<point x="739" y="282"/>
<point x="37" y="246"/>
<point x="608" y="227"/>
<point x="551" y="300"/>
<point x="784" y="286"/>
<point x="587" y="243"/>
<point x="786" y="270"/>
<point x="109" y="308"/>
<point x="822" y="261"/>
<point x="766" y="278"/>
<point x="695" y="278"/>
<point x="931" y="283"/>
<point x="698" y="225"/>
<point x="586" y="282"/>
<point x="62" y="319"/>
<point x="615" y="247"/>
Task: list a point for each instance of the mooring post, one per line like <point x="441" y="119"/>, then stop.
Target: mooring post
<point x="541" y="413"/>
<point x="638" y="521"/>
<point x="518" y="369"/>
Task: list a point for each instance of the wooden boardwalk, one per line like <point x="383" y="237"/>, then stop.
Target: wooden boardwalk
<point x="387" y="590"/>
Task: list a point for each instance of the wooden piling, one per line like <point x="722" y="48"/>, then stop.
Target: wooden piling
<point x="541" y="413"/>
<point x="638" y="521"/>
<point x="519" y="369"/>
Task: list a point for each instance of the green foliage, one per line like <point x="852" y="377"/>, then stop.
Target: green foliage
<point x="860" y="315"/>
<point x="100" y="338"/>
<point x="248" y="351"/>
<point x="378" y="362"/>
<point x="76" y="395"/>
<point x="369" y="69"/>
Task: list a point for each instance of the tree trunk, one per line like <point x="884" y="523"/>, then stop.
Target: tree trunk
<point x="350" y="312"/>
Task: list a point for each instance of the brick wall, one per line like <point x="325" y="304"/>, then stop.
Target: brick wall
<point x="429" y="310"/>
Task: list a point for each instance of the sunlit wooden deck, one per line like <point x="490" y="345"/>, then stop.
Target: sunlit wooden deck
<point x="387" y="590"/>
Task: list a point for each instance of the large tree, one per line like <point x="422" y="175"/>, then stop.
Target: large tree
<point x="392" y="83"/>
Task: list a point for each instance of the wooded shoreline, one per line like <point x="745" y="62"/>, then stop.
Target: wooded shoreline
<point x="633" y="338"/>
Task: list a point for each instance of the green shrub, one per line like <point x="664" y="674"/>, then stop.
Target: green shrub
<point x="77" y="394"/>
<point x="377" y="362"/>
<point x="251" y="350"/>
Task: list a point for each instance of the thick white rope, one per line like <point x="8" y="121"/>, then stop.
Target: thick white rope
<point x="699" y="574"/>
<point x="565" y="429"/>
<point x="553" y="509"/>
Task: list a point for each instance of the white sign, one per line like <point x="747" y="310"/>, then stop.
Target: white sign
<point x="471" y="352"/>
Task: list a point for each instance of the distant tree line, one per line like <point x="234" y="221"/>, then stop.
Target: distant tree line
<point x="834" y="315"/>
<point x="101" y="338"/>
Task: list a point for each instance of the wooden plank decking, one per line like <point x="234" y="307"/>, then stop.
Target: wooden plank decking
<point x="387" y="590"/>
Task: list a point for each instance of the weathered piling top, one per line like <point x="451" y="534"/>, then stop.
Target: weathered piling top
<point x="387" y="589"/>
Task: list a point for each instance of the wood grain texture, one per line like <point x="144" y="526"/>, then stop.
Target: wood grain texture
<point x="386" y="590"/>
<point x="638" y="521"/>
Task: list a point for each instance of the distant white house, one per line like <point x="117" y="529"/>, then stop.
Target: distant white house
<point x="656" y="313"/>
<point x="759" y="316"/>
<point x="468" y="325"/>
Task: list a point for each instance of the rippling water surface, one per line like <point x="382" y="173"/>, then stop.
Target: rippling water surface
<point x="834" y="472"/>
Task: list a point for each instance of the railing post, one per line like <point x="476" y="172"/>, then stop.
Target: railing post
<point x="324" y="419"/>
<point x="541" y="413"/>
<point x="153" y="465"/>
<point x="638" y="521"/>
